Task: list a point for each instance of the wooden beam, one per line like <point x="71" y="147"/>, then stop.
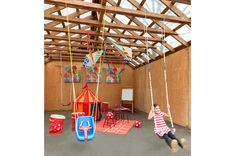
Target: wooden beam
<point x="84" y="50"/>
<point x="81" y="55"/>
<point x="81" y="60"/>
<point x="183" y="1"/>
<point x="96" y="23"/>
<point x="100" y="34"/>
<point x="117" y="10"/>
<point x="94" y="41"/>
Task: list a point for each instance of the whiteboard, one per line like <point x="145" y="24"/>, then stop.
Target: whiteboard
<point x="127" y="94"/>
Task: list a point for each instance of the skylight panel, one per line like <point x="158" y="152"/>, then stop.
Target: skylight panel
<point x="47" y="21"/>
<point x="146" y="21"/>
<point x="138" y="32"/>
<point x="82" y="25"/>
<point x="127" y="33"/>
<point x="48" y="6"/>
<point x="55" y="13"/>
<point x="101" y="38"/>
<point x="85" y="14"/>
<point x="150" y="42"/>
<point x="106" y="18"/>
<point x="156" y="26"/>
<point x="172" y="42"/>
<point x="135" y="62"/>
<point x="132" y="64"/>
<point x="123" y="19"/>
<point x="146" y="35"/>
<point x="115" y="1"/>
<point x="48" y="40"/>
<point x="185" y="32"/>
<point x="84" y="36"/>
<point x="186" y="9"/>
<point x="155" y="6"/>
<point x="171" y="25"/>
<point x="145" y="56"/>
<point x="111" y="31"/>
<point x="62" y="41"/>
<point x="140" y="59"/>
<point x="61" y="34"/>
<point x="127" y="5"/>
<point x="153" y="52"/>
<point x="124" y="40"/>
<point x="161" y="47"/>
<point x="139" y="1"/>
<point x="138" y="42"/>
<point x="108" y="4"/>
<point x="170" y="13"/>
<point x="67" y="11"/>
<point x="74" y="35"/>
<point x="111" y="39"/>
<point x="132" y="23"/>
<point x="75" y="28"/>
<point x="59" y="25"/>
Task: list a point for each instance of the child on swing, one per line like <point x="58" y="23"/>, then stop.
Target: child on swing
<point x="162" y="130"/>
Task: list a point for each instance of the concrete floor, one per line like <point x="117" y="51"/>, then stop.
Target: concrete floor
<point x="138" y="142"/>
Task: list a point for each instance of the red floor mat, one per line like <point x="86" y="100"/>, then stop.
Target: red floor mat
<point x="121" y="127"/>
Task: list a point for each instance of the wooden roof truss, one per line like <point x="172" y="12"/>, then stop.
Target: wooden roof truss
<point x="132" y="23"/>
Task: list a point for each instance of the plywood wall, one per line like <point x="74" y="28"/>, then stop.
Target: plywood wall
<point x="58" y="93"/>
<point x="178" y="78"/>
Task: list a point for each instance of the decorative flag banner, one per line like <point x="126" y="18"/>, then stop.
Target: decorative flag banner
<point x="126" y="52"/>
<point x="90" y="61"/>
<point x="68" y="75"/>
<point x="92" y="75"/>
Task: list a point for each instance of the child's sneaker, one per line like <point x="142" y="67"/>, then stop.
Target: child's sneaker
<point x="183" y="143"/>
<point x="174" y="145"/>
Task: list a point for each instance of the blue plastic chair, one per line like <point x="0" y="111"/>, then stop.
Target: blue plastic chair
<point x="85" y="128"/>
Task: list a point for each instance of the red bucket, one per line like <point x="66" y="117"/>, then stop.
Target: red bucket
<point x="56" y="124"/>
<point x="75" y="115"/>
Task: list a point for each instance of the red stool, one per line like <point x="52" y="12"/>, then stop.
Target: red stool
<point x="74" y="116"/>
<point x="109" y="119"/>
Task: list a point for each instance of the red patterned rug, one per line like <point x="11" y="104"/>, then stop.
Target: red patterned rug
<point x="121" y="127"/>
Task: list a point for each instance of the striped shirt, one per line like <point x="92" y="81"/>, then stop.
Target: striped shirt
<point x="160" y="126"/>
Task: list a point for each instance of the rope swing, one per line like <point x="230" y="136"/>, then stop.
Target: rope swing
<point x="165" y="79"/>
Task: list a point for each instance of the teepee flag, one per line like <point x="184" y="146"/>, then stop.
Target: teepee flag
<point x="98" y="55"/>
<point x="124" y="51"/>
<point x="127" y="51"/>
<point x="90" y="60"/>
<point x="86" y="62"/>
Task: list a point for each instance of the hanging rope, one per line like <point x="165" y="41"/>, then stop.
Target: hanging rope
<point x="99" y="69"/>
<point x="61" y="83"/>
<point x="71" y="58"/>
<point x="149" y="72"/>
<point x="165" y="76"/>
